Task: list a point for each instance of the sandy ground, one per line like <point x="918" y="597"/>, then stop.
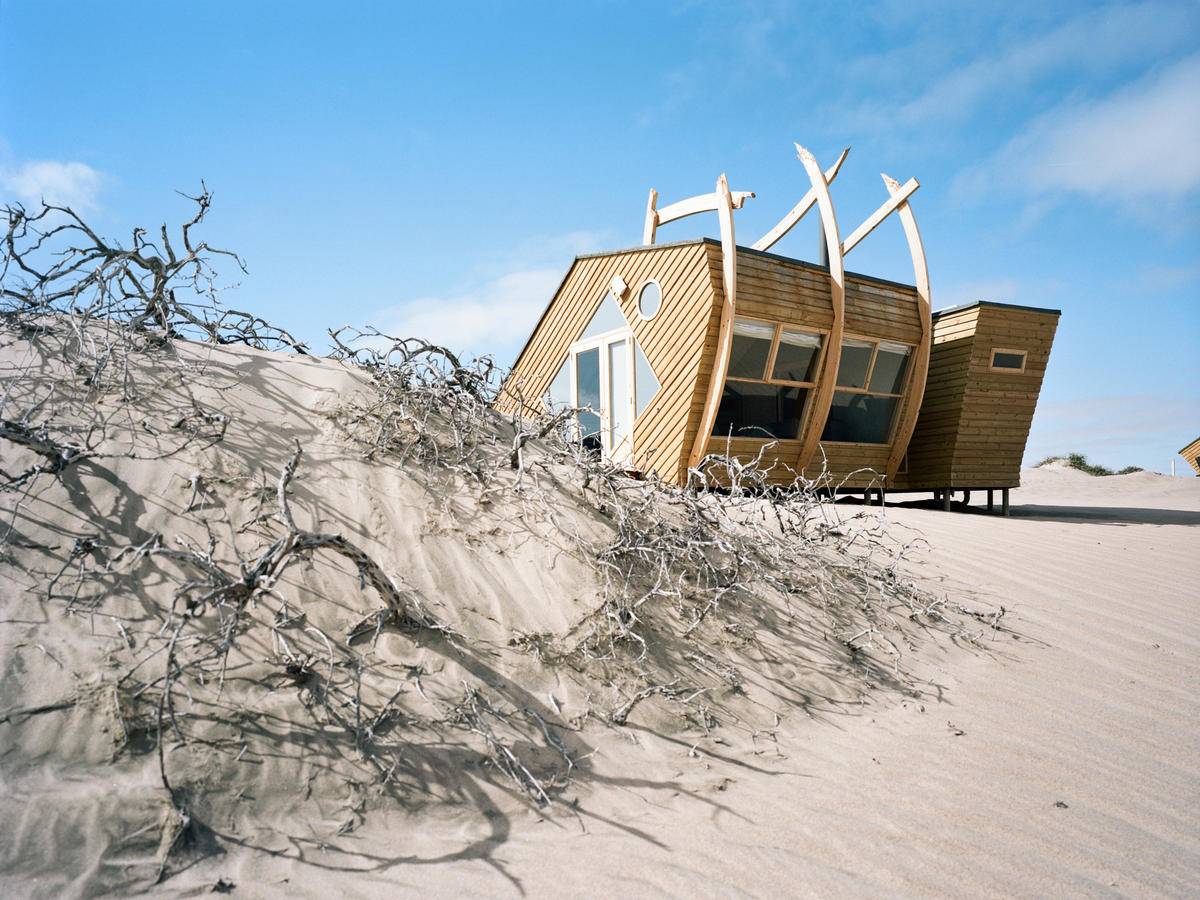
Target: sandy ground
<point x="1095" y="707"/>
<point x="1060" y="757"/>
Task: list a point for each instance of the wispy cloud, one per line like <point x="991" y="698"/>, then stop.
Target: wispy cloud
<point x="496" y="311"/>
<point x="1099" y="40"/>
<point x="492" y="317"/>
<point x="1137" y="143"/>
<point x="73" y="184"/>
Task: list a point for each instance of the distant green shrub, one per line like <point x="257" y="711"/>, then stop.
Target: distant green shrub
<point x="1080" y="461"/>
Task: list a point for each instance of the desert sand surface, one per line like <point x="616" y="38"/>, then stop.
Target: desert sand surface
<point x="1058" y="754"/>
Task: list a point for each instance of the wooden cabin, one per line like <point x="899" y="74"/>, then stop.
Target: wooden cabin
<point x="1192" y="454"/>
<point x="675" y="352"/>
<point x="985" y="374"/>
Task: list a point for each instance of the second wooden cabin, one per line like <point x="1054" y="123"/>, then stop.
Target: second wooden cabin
<point x="682" y="351"/>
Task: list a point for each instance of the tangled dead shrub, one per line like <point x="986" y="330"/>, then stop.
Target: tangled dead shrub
<point x="680" y="572"/>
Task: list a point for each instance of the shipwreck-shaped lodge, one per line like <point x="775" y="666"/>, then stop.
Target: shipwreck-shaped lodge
<point x="674" y="352"/>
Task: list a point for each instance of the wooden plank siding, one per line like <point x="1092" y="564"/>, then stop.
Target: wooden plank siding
<point x="974" y="420"/>
<point x="678" y="342"/>
<point x="1192" y="454"/>
<point x="797" y="293"/>
<point x="973" y="423"/>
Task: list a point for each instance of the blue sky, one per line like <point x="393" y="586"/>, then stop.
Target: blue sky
<point x="432" y="170"/>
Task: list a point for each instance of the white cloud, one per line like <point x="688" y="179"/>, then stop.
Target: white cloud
<point x="496" y="311"/>
<point x="494" y="317"/>
<point x="73" y="184"/>
<point x="1097" y="40"/>
<point x="1137" y="143"/>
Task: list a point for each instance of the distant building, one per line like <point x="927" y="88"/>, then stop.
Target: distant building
<point x="1192" y="454"/>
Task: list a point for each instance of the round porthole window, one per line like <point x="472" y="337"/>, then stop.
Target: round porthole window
<point x="649" y="299"/>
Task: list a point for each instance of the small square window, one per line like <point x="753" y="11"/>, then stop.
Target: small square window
<point x="1009" y="360"/>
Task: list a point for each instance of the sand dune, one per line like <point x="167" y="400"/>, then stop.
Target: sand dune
<point x="1059" y="755"/>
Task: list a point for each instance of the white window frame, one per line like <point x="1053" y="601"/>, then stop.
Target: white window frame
<point x="866" y="389"/>
<point x="601" y="343"/>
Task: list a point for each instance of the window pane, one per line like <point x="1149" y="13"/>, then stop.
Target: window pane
<point x="856" y="359"/>
<point x="618" y="396"/>
<point x="558" y="394"/>
<point x="649" y="300"/>
<point x="859" y="418"/>
<point x="645" y="382"/>
<point x="587" y="394"/>
<point x="891" y="362"/>
<point x="751" y="347"/>
<point x="607" y="318"/>
<point x="1002" y="360"/>
<point x="759" y="410"/>
<point x="797" y="356"/>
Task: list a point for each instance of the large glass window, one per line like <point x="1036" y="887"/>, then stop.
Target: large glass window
<point x="757" y="409"/>
<point x="859" y="418"/>
<point x="869" y="391"/>
<point x="770" y="371"/>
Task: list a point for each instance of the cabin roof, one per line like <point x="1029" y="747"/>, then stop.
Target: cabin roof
<point x="995" y="305"/>
<point x="763" y="254"/>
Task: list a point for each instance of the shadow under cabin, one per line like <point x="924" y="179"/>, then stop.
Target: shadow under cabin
<point x="675" y="353"/>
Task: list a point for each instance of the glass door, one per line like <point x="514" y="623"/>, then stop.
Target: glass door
<point x="587" y="397"/>
<point x="619" y="407"/>
<point x="602" y="387"/>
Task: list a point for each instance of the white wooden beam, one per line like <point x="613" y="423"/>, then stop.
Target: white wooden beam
<point x="701" y="203"/>
<point x="916" y="385"/>
<point x="822" y="395"/>
<point x="716" y="379"/>
<point x="651" y="225"/>
<point x="872" y="221"/>
<point x="788" y="222"/>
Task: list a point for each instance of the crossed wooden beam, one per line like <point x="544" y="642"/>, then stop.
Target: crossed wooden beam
<point x="724" y="202"/>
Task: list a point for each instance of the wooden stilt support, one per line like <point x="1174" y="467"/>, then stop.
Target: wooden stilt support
<point x="991" y="504"/>
<point x="1004" y="502"/>
<point x="947" y="496"/>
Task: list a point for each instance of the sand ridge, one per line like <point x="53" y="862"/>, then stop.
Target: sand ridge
<point x="1058" y="755"/>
